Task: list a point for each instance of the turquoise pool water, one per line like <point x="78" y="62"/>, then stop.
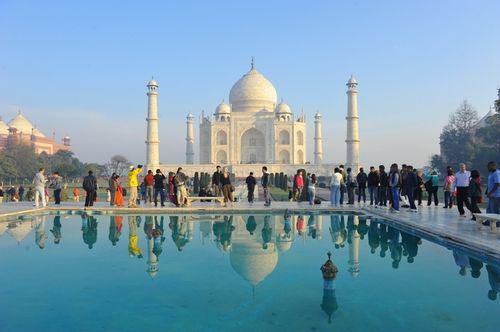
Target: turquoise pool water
<point x="209" y="273"/>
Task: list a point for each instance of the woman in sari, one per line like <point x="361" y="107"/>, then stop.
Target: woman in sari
<point x="118" y="193"/>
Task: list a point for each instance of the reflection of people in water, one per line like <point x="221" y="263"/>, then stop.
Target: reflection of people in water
<point x="362" y="227"/>
<point x="223" y="231"/>
<point x="494" y="280"/>
<point x="115" y="229"/>
<point x="338" y="231"/>
<point x="384" y="239"/>
<point x="476" y="266"/>
<point x="410" y="246"/>
<point x="133" y="239"/>
<point x="179" y="231"/>
<point x="311" y="226"/>
<point x="301" y="226"/>
<point x="40" y="236"/>
<point x="266" y="232"/>
<point x="373" y="236"/>
<point x="395" y="247"/>
<point x="251" y="225"/>
<point x="329" y="302"/>
<point x="462" y="261"/>
<point x="56" y="229"/>
<point x="287" y="225"/>
<point x="89" y="230"/>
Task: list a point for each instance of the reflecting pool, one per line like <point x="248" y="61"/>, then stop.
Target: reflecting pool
<point x="237" y="272"/>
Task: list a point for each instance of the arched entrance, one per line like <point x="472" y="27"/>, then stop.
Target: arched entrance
<point x="253" y="147"/>
<point x="221" y="157"/>
<point x="284" y="157"/>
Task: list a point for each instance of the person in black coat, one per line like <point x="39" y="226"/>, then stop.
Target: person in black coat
<point x="159" y="187"/>
<point x="90" y="187"/>
<point x="251" y="182"/>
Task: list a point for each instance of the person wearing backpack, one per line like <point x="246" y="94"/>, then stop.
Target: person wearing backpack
<point x="431" y="185"/>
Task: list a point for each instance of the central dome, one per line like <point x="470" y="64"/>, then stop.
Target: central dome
<point x="253" y="92"/>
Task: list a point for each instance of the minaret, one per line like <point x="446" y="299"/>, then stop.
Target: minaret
<point x="318" y="140"/>
<point x="352" y="140"/>
<point x="152" y="142"/>
<point x="189" y="139"/>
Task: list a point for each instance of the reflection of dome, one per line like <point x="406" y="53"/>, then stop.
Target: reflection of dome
<point x="253" y="89"/>
<point x="252" y="262"/>
<point x="283" y="108"/>
<point x="20" y="231"/>
<point x="223" y="108"/>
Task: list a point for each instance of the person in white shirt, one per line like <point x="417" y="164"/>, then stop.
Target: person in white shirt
<point x="40" y="180"/>
<point x="336" y="182"/>
<point x="461" y="183"/>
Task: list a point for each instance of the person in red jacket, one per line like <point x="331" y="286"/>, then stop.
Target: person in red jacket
<point x="149" y="183"/>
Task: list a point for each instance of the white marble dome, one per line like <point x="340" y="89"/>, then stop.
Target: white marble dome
<point x="152" y="83"/>
<point x="223" y="108"/>
<point x="283" y="108"/>
<point x="253" y="89"/>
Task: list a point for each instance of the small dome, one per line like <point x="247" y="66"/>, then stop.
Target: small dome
<point x="283" y="108"/>
<point x="352" y="80"/>
<point x="152" y="83"/>
<point x="21" y="124"/>
<point x="223" y="108"/>
<point x="253" y="89"/>
<point x="317" y="115"/>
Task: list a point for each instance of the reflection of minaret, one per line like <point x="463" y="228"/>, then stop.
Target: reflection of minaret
<point x="152" y="259"/>
<point x="190" y="229"/>
<point x="205" y="229"/>
<point x="353" y="242"/>
<point x="318" y="140"/>
<point x="352" y="140"/>
<point x="319" y="227"/>
<point x="153" y="142"/>
<point x="189" y="139"/>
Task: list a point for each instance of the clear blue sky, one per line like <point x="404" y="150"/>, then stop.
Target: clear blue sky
<point x="82" y="67"/>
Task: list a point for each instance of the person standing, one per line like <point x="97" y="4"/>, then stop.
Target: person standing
<point x="299" y="185"/>
<point x="133" y="183"/>
<point x="394" y="180"/>
<point x="420" y="187"/>
<point x="149" y="182"/>
<point x="113" y="185"/>
<point x="217" y="182"/>
<point x="384" y="184"/>
<point x="461" y="183"/>
<point x="21" y="193"/>
<point x="373" y="181"/>
<point x="264" y="181"/>
<point x="180" y="180"/>
<point x="361" y="179"/>
<point x="57" y="184"/>
<point x="411" y="184"/>
<point x="343" y="184"/>
<point x="350" y="187"/>
<point x="227" y="188"/>
<point x="311" y="189"/>
<point x="493" y="190"/>
<point x="448" y="189"/>
<point x="251" y="182"/>
<point x="40" y="187"/>
<point x="90" y="187"/>
<point x="475" y="192"/>
<point x="159" y="186"/>
<point x="118" y="193"/>
<point x="76" y="194"/>
<point x="432" y="188"/>
<point x="335" y="184"/>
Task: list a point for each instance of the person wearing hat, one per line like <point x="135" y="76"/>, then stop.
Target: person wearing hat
<point x="133" y="183"/>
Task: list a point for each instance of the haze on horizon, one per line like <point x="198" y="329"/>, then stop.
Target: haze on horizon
<point x="82" y="69"/>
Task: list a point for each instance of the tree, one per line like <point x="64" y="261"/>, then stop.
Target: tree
<point x="117" y="164"/>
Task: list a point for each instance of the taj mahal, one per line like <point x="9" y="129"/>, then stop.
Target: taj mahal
<point x="254" y="129"/>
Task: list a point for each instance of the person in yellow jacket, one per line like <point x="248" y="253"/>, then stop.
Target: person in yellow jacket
<point x="133" y="239"/>
<point x="133" y="183"/>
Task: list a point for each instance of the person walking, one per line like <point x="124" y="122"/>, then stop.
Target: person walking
<point x="264" y="182"/>
<point x="493" y="190"/>
<point x="149" y="183"/>
<point x="40" y="188"/>
<point x="394" y="180"/>
<point x="159" y="187"/>
<point x="475" y="192"/>
<point x="311" y="189"/>
<point x="251" y="182"/>
<point x="448" y="189"/>
<point x="411" y="184"/>
<point x="373" y="182"/>
<point x="461" y="183"/>
<point x="112" y="185"/>
<point x="361" y="179"/>
<point x="227" y="188"/>
<point x="217" y="182"/>
<point x="350" y="187"/>
<point x="180" y="180"/>
<point x="57" y="184"/>
<point x="335" y="184"/>
<point x="383" y="187"/>
<point x="432" y="185"/>
<point x="133" y="183"/>
<point x="90" y="187"/>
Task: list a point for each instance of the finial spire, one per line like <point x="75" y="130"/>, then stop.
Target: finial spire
<point x="252" y="63"/>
